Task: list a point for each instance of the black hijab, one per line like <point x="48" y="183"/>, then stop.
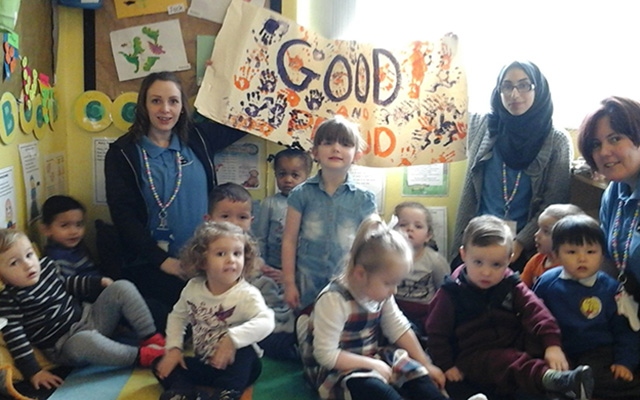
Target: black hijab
<point x="520" y="138"/>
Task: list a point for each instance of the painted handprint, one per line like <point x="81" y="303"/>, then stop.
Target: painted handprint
<point x="314" y="99"/>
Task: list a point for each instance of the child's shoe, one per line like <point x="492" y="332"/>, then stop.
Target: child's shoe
<point x="478" y="396"/>
<point x="181" y="395"/>
<point x="574" y="384"/>
<point x="225" y="394"/>
<point x="147" y="354"/>
<point x="156" y="339"/>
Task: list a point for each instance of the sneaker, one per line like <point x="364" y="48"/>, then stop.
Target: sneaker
<point x="181" y="395"/>
<point x="574" y="384"/>
<point x="157" y="340"/>
<point x="147" y="354"/>
<point x="226" y="395"/>
<point x="478" y="396"/>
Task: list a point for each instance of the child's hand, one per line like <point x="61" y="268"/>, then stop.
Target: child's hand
<point x="437" y="376"/>
<point x="382" y="368"/>
<point x="453" y="374"/>
<point x="169" y="361"/>
<point x="224" y="354"/>
<point x="291" y="295"/>
<point x="621" y="372"/>
<point x="555" y="358"/>
<point x="273" y="273"/>
<point x="106" y="281"/>
<point x="45" y="379"/>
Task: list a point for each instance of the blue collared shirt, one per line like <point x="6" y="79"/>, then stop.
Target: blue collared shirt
<point x="190" y="205"/>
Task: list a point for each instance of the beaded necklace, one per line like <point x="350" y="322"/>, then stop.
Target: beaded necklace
<point x="163" y="207"/>
<point x="621" y="261"/>
<point x="509" y="198"/>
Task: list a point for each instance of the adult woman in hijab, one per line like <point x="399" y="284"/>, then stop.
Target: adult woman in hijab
<point x="518" y="163"/>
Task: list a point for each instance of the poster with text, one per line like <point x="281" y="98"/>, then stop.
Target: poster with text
<point x="54" y="173"/>
<point x="140" y="50"/>
<point x="100" y="147"/>
<point x="8" y="206"/>
<point x="31" y="173"/>
<point x="278" y="80"/>
<point x="133" y="8"/>
<point x="240" y="163"/>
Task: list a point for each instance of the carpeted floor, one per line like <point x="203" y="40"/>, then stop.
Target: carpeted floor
<point x="279" y="381"/>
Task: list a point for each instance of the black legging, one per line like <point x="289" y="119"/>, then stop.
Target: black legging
<point x="421" y="388"/>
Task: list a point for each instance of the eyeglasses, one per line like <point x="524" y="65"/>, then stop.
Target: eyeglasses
<point x="522" y="87"/>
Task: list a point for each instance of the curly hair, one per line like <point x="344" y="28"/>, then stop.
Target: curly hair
<point x="194" y="253"/>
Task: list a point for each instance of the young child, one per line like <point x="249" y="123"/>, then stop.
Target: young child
<point x="341" y="349"/>
<point x="228" y="316"/>
<point x="487" y="327"/>
<point x="291" y="167"/>
<point x="429" y="267"/>
<point x="323" y="213"/>
<point x="583" y="300"/>
<point x="44" y="309"/>
<point x="63" y="225"/>
<point x="230" y="202"/>
<point x="543" y="259"/>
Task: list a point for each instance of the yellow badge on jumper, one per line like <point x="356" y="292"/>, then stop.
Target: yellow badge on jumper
<point x="591" y="307"/>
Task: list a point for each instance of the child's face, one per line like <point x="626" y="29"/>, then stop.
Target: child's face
<point x="542" y="236"/>
<point x="19" y="265"/>
<point x="485" y="265"/>
<point x="335" y="156"/>
<point x="413" y="223"/>
<point x="67" y="228"/>
<point x="580" y="261"/>
<point x="235" y="212"/>
<point x="225" y="262"/>
<point x="382" y="284"/>
<point x="290" y="172"/>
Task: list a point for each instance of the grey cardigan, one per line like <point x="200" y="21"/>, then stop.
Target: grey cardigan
<point x="550" y="174"/>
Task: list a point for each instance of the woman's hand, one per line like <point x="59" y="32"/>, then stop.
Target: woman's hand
<point x="172" y="266"/>
<point x="45" y="379"/>
<point x="224" y="354"/>
<point x="169" y="361"/>
<point x="555" y="358"/>
<point x="453" y="374"/>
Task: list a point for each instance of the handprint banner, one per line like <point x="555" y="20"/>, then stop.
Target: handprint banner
<point x="141" y="50"/>
<point x="278" y="80"/>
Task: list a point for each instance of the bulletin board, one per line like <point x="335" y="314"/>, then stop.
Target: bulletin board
<point x="105" y="21"/>
<point x="35" y="28"/>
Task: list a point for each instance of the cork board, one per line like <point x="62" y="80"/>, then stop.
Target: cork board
<point x="35" y="28"/>
<point x="106" y="21"/>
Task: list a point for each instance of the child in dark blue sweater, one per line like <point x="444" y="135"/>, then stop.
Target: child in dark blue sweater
<point x="583" y="300"/>
<point x="64" y="226"/>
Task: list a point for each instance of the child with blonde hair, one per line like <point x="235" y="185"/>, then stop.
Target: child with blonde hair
<point x="324" y="213"/>
<point x="228" y="316"/>
<point x="543" y="259"/>
<point x="341" y="347"/>
<point x="45" y="310"/>
<point x="429" y="267"/>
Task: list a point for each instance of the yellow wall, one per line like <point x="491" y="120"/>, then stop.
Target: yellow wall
<point x="79" y="143"/>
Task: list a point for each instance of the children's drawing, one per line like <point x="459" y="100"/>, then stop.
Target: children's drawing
<point x="278" y="80"/>
<point x="143" y="49"/>
<point x="132" y="8"/>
